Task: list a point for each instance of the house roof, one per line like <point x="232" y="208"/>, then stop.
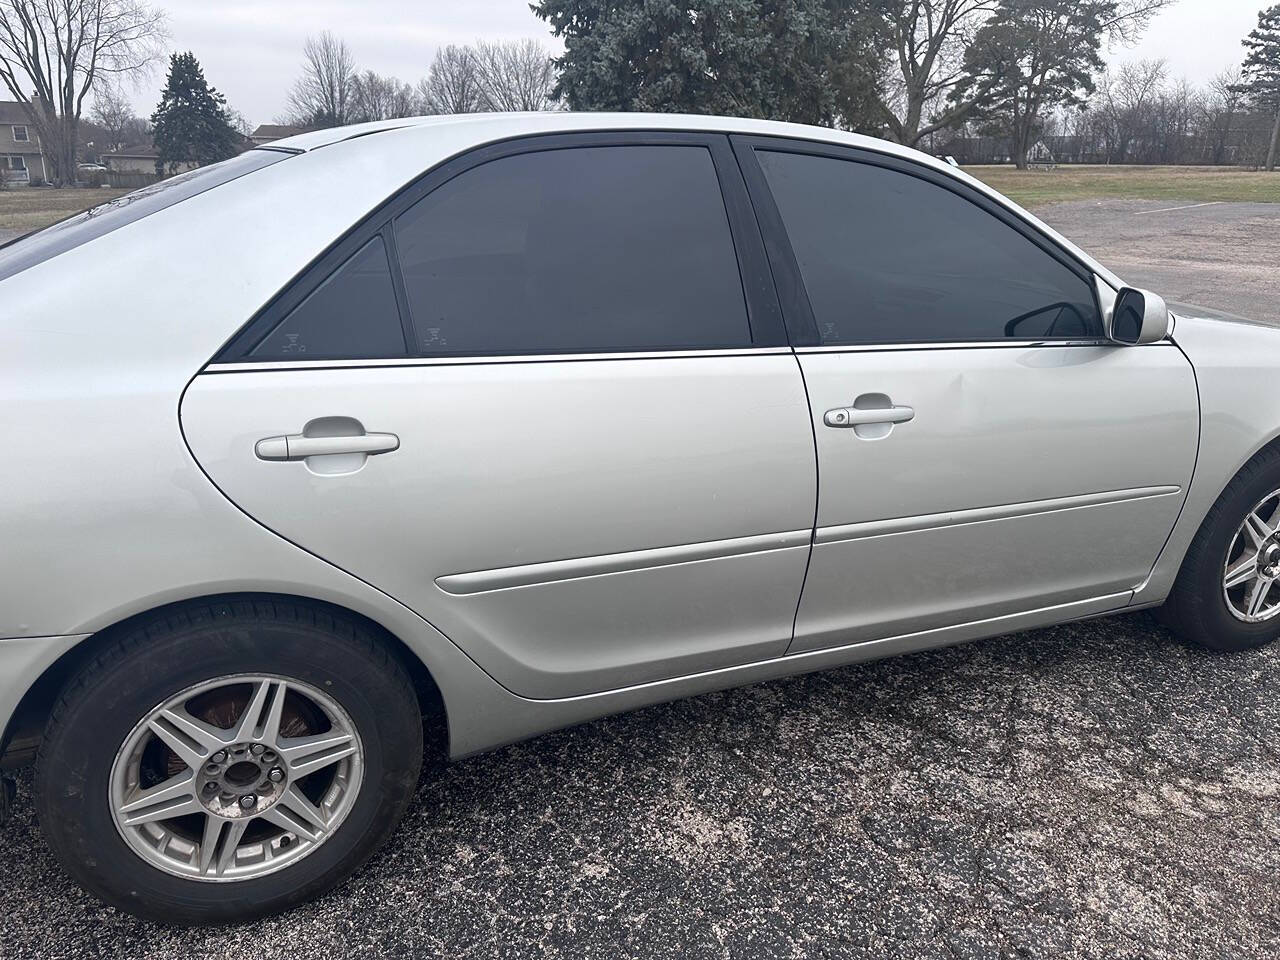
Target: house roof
<point x="147" y="150"/>
<point x="14" y="112"/>
<point x="274" y="131"/>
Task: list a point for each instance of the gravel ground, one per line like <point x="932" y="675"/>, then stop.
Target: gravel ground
<point x="1221" y="255"/>
<point x="1092" y="790"/>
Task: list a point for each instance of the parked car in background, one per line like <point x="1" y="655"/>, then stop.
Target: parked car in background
<point x="544" y="417"/>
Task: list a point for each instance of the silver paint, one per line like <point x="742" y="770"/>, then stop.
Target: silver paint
<point x="115" y="517"/>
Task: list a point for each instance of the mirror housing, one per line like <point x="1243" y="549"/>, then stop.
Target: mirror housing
<point x="1138" y="316"/>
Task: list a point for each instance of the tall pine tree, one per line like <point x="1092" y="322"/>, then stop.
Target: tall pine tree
<point x="192" y="123"/>
<point x="1261" y="73"/>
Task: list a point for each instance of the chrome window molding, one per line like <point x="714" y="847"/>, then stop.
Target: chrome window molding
<point x="266" y="365"/>
<point x="1003" y="344"/>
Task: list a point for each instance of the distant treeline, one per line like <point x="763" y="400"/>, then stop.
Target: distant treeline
<point x="1136" y="115"/>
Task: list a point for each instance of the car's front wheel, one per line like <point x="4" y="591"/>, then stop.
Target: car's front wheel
<point x="229" y="760"/>
<point x="1227" y="595"/>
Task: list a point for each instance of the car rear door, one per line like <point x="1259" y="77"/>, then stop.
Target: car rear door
<point x="983" y="451"/>
<point x="534" y="400"/>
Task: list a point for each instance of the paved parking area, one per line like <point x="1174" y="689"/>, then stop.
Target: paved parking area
<point x="1221" y="255"/>
<point x="1093" y="790"/>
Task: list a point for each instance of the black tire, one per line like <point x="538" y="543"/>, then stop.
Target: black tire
<point x="165" y="655"/>
<point x="1196" y="608"/>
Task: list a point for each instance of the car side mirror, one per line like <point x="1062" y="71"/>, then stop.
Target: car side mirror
<point x="1139" y="316"/>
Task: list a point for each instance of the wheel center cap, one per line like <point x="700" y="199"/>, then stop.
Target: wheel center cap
<point x="242" y="774"/>
<point x="241" y="781"/>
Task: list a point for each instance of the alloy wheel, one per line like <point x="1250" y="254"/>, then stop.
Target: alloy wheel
<point x="1251" y="577"/>
<point x="236" y="777"/>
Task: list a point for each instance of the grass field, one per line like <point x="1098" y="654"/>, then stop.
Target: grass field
<point x="1033" y="188"/>
<point x="24" y="209"/>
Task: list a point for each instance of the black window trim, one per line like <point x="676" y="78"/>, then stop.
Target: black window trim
<point x="792" y="294"/>
<point x="764" y="313"/>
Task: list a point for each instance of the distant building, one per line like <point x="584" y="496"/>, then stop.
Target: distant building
<point x="268" y="132"/>
<point x="138" y="158"/>
<point x="22" y="160"/>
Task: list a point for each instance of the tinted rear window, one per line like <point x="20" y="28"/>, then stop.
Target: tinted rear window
<point x="34" y="248"/>
<point x="609" y="248"/>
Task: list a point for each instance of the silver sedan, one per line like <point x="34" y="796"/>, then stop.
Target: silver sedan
<point x="485" y="426"/>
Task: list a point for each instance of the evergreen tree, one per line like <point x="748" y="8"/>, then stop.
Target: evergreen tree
<point x="192" y="123"/>
<point x="1033" y="56"/>
<point x="1030" y="57"/>
<point x="811" y="61"/>
<point x="1261" y="72"/>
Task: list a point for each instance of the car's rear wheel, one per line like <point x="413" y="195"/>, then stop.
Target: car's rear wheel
<point x="1227" y="595"/>
<point x="229" y="760"/>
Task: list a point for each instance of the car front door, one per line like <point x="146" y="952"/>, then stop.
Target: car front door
<point x="983" y="451"/>
<point x="532" y="401"/>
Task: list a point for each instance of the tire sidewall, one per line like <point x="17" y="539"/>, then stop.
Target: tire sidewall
<point x="1219" y="626"/>
<point x="74" y="773"/>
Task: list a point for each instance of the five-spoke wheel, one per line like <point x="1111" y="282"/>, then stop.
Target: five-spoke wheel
<point x="1253" y="564"/>
<point x="224" y="761"/>
<point x="200" y="797"/>
<point x="1227" y="595"/>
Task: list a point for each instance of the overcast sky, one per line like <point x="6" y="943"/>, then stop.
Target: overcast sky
<point x="251" y="50"/>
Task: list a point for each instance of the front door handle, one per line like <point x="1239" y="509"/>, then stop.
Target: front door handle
<point x="857" y="416"/>
<point x="298" y="446"/>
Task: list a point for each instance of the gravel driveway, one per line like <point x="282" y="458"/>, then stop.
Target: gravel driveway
<point x="1093" y="790"/>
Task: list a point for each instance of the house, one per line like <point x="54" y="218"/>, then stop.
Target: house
<point x="267" y="132"/>
<point x="22" y="160"/>
<point x="138" y="158"/>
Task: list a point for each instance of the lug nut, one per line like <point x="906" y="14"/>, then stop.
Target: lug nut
<point x="275" y="775"/>
<point x="211" y="788"/>
<point x="218" y="757"/>
<point x="257" y="749"/>
<point x="248" y="802"/>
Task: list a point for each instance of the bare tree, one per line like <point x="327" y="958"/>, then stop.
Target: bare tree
<point x="513" y="75"/>
<point x="1223" y="104"/>
<point x="1124" y="103"/>
<point x="452" y="85"/>
<point x="53" y="52"/>
<point x="114" y="114"/>
<point x="322" y="95"/>
<point x="375" y="97"/>
<point x="927" y="42"/>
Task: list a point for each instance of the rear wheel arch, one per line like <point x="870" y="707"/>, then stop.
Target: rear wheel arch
<point x="26" y="727"/>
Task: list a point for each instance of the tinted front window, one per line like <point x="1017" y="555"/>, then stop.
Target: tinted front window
<point x="888" y="258"/>
<point x="585" y="249"/>
<point x="353" y="314"/>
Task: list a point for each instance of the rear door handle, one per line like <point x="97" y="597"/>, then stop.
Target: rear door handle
<point x="856" y="416"/>
<point x="297" y="446"/>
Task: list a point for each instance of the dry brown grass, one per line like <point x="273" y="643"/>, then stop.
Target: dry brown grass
<point x="23" y="209"/>
<point x="1033" y="188"/>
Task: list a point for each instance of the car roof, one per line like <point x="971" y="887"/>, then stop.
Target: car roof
<point x="478" y="129"/>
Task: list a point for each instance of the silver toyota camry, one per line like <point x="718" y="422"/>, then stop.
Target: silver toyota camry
<point x="484" y="426"/>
